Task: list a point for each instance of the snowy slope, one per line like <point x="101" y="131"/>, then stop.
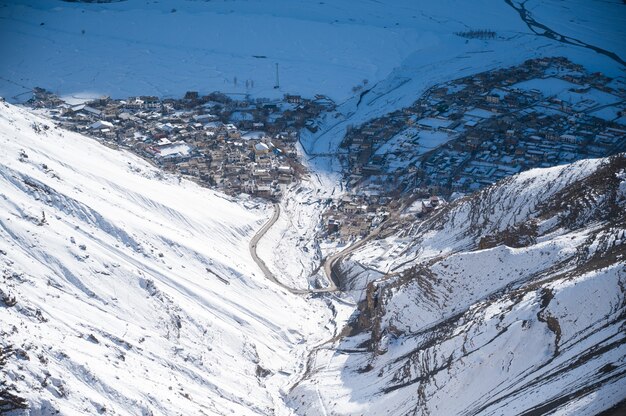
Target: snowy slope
<point x="128" y="291"/>
<point x="510" y="301"/>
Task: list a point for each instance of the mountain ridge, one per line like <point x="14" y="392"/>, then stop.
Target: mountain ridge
<point x="445" y="319"/>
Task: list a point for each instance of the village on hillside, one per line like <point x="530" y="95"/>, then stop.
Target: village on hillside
<point x="471" y="132"/>
<point x="235" y="145"/>
<point x="456" y="138"/>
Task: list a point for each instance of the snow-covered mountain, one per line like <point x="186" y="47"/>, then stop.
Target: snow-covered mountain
<point x="128" y="291"/>
<point x="509" y="301"/>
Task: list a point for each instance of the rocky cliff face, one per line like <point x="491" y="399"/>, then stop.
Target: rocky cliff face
<point x="511" y="300"/>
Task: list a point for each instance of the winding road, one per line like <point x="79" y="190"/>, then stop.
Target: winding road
<point x="266" y="271"/>
<point x="332" y="289"/>
<point x="328" y="263"/>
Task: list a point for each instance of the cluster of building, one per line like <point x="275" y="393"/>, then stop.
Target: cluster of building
<point x="355" y="216"/>
<point x="473" y="131"/>
<point x="236" y="145"/>
<point x="456" y="138"/>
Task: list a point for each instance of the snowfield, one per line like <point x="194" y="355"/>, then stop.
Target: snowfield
<point x="134" y="290"/>
<point x="167" y="47"/>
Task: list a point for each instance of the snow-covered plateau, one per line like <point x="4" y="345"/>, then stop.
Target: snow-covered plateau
<point x="167" y="47"/>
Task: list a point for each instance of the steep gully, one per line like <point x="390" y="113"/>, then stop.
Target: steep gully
<point x="332" y="275"/>
<point x="332" y="288"/>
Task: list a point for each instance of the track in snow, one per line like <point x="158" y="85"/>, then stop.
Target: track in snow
<point x="266" y="271"/>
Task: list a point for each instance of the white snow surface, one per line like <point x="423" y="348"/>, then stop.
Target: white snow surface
<point x="170" y="46"/>
<point x="167" y="47"/>
<point x="136" y="292"/>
